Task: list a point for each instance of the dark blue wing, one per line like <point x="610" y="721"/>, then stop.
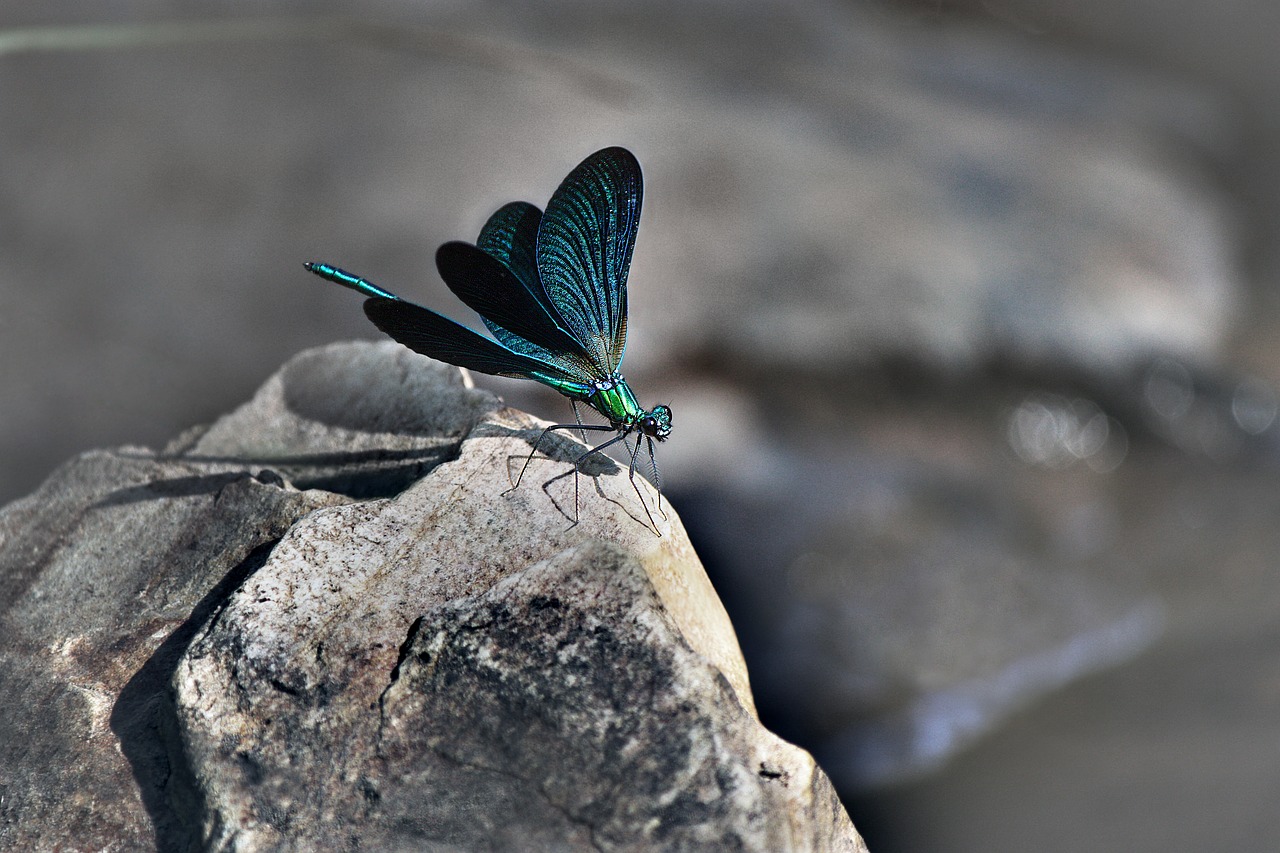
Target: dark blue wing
<point x="584" y="251"/>
<point x="510" y="310"/>
<point x="424" y="331"/>
<point x="511" y="236"/>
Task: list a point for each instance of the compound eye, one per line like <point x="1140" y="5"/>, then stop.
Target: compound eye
<point x="657" y="423"/>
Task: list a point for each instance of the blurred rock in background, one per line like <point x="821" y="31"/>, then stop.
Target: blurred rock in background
<point x="972" y="395"/>
<point x="826" y="187"/>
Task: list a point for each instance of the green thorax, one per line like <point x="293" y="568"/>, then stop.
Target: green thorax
<point x="613" y="399"/>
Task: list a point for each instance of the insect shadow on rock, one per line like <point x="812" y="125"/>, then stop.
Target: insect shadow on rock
<point x="551" y="287"/>
<point x="590" y="464"/>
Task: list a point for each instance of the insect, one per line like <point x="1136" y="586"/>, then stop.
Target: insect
<point x="551" y="287"/>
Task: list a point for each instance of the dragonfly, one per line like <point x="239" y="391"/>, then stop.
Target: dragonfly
<point x="551" y="288"/>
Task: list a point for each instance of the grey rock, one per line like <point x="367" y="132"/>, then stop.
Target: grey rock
<point x="919" y="581"/>
<point x="1192" y="721"/>
<point x="363" y="420"/>
<point x="196" y="653"/>
<point x="560" y="709"/>
<point x="106" y="574"/>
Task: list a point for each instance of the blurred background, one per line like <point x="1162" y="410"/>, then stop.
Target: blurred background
<point x="966" y="311"/>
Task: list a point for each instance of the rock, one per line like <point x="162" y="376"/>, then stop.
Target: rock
<point x="107" y="572"/>
<point x="196" y="653"/>
<point x="920" y="581"/>
<point x="1192" y="721"/>
<point x="560" y="708"/>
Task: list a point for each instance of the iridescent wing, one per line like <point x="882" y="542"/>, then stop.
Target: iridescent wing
<point x="424" y="331"/>
<point x="584" y="245"/>
<point x="511" y="236"/>
<point x="511" y="310"/>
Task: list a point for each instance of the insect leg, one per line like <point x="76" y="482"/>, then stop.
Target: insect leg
<point x="577" y="464"/>
<point x="577" y="417"/>
<point x="578" y="426"/>
<point x="632" y="473"/>
<point x="657" y="475"/>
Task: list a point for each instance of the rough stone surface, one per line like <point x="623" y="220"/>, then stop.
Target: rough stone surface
<point x="195" y="653"/>
<point x="107" y="572"/>
<point x="559" y="709"/>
